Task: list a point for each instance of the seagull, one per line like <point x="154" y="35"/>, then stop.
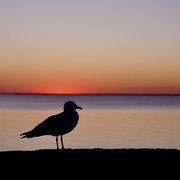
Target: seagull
<point x="56" y="125"/>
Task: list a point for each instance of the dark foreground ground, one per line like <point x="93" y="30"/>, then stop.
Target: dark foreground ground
<point x="96" y="154"/>
<point x="91" y="164"/>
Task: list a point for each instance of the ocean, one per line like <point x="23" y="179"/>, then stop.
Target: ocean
<point x="106" y="121"/>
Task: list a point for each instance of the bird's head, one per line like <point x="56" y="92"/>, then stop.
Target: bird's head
<point x="71" y="106"/>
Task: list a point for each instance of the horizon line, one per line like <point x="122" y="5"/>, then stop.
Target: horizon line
<point x="133" y="94"/>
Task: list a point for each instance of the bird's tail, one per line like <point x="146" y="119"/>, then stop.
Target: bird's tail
<point x="27" y="134"/>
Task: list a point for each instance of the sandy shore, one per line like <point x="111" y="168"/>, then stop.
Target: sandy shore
<point x="93" y="154"/>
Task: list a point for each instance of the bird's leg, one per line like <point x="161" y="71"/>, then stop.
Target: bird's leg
<point x="57" y="142"/>
<point x="62" y="142"/>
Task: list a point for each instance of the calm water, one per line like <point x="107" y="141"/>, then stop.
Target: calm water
<point x="106" y="121"/>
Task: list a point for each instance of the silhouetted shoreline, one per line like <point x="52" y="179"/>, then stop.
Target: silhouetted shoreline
<point x="99" y="154"/>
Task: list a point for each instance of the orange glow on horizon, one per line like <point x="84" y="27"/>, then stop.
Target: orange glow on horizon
<point x="72" y="90"/>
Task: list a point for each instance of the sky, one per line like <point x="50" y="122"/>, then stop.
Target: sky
<point x="90" y="47"/>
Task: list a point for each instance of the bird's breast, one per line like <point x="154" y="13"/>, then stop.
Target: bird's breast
<point x="71" y="120"/>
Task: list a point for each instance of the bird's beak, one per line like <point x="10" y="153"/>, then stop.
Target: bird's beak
<point x="78" y="107"/>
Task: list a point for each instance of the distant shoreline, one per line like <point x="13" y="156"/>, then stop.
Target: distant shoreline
<point x="95" y="154"/>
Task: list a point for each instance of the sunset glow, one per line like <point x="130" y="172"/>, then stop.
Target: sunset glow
<point x="90" y="47"/>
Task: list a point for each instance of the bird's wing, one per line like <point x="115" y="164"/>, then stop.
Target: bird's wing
<point x="46" y="127"/>
<point x="57" y="120"/>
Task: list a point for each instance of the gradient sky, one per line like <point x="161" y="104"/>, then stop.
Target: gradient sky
<point x="90" y="46"/>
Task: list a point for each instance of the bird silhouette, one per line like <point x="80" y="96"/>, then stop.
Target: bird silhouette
<point x="56" y="125"/>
